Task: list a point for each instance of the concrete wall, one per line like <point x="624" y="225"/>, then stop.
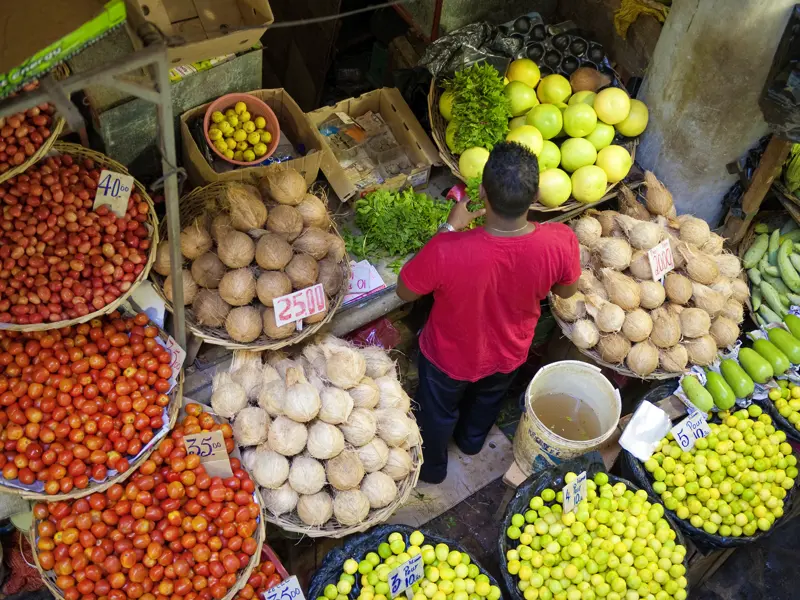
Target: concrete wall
<point x="702" y="88"/>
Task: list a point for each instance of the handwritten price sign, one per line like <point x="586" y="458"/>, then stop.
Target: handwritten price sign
<point x="114" y="189"/>
<point x="210" y="447"/>
<point x="691" y="429"/>
<point x="574" y="493"/>
<point x="299" y="305"/>
<point x="661" y="261"/>
<point x="287" y="590"/>
<point x="406" y="575"/>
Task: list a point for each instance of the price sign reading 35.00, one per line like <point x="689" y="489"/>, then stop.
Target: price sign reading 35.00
<point x="288" y="590"/>
<point x="574" y="493"/>
<point x="406" y="575"/>
<point x="299" y="305"/>
<point x="114" y="189"/>
<point x="691" y="429"/>
<point x="210" y="447"/>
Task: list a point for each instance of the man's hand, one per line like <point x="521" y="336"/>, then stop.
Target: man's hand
<point x="460" y="216"/>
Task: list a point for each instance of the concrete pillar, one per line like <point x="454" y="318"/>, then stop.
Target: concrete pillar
<point x="702" y="89"/>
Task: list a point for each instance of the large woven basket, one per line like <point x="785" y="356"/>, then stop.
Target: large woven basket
<point x="332" y="529"/>
<point x="152" y="221"/>
<point x="439" y="125"/>
<point x="198" y="202"/>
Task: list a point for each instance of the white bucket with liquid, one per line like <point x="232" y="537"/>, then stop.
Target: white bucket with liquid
<point x="535" y="446"/>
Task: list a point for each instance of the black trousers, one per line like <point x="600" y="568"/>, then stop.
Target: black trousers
<point x="463" y="410"/>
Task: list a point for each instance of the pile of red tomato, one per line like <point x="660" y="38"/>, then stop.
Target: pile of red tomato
<point x="263" y="578"/>
<point x="59" y="258"/>
<point x="79" y="401"/>
<point x="22" y="134"/>
<point x="170" y="532"/>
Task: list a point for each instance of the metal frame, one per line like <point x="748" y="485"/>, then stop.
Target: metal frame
<point x="58" y="93"/>
<point x="406" y="15"/>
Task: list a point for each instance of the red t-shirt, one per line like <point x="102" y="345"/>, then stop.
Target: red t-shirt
<point x="487" y="291"/>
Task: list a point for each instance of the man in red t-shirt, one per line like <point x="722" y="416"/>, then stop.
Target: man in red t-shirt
<point x="487" y="284"/>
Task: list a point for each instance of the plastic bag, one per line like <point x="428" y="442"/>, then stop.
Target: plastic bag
<point x="380" y="332"/>
<point x="553" y="477"/>
<point x="357" y="546"/>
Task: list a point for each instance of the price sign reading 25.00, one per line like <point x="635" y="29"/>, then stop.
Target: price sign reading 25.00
<point x="288" y="590"/>
<point x="406" y="575"/>
<point x="299" y="305"/>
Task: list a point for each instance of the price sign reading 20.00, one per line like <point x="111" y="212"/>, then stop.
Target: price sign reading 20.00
<point x="299" y="305"/>
<point x="661" y="260"/>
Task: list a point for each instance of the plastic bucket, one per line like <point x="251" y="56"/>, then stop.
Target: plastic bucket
<point x="535" y="446"/>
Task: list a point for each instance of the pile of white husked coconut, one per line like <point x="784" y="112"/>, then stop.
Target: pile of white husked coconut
<point x="624" y="316"/>
<point x="328" y="434"/>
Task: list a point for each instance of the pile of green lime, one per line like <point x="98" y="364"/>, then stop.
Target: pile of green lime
<point x="616" y="546"/>
<point x="732" y="482"/>
<point x="449" y="574"/>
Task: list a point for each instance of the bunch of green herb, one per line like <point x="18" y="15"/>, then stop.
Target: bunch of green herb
<point x="480" y="109"/>
<point x="394" y="223"/>
<point x="475" y="200"/>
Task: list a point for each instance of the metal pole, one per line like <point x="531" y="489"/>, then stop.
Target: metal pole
<point x="166" y="127"/>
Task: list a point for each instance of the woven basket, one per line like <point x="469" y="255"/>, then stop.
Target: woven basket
<point x="106" y="162"/>
<point x="172" y="411"/>
<point x="49" y="577"/>
<point x="439" y="125"/>
<point x="198" y="202"/>
<point x="332" y="529"/>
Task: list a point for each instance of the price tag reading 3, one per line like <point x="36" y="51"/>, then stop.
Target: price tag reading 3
<point x="661" y="261"/>
<point x="210" y="447"/>
<point x="691" y="429"/>
<point x="114" y="189"/>
<point x="574" y="493"/>
<point x="402" y="578"/>
<point x="287" y="590"/>
<point x="299" y="305"/>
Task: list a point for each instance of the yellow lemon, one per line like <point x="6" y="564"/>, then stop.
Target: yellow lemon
<point x="239" y="135"/>
<point x="237" y="155"/>
<point x="239" y="108"/>
<point x="249" y="126"/>
<point x="260" y="149"/>
<point x="248" y="155"/>
<point x="233" y="120"/>
<point x="266" y="137"/>
<point x="230" y="113"/>
<point x="214" y="134"/>
<point x="260" y="122"/>
<point x="231" y="143"/>
<point x="242" y="146"/>
<point x="217" y="116"/>
<point x="220" y="145"/>
<point x="253" y="138"/>
<point x="244" y="117"/>
<point x="228" y="153"/>
<point x="225" y="128"/>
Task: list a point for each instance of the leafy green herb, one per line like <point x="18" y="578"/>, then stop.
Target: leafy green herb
<point x="394" y="223"/>
<point x="480" y="108"/>
<point x="475" y="200"/>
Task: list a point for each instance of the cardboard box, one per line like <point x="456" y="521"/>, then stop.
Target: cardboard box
<point x="209" y="28"/>
<point x="294" y="124"/>
<point x="405" y="127"/>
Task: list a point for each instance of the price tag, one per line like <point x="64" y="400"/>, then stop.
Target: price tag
<point x="114" y="189"/>
<point x="210" y="447"/>
<point x="574" y="493"/>
<point x="406" y="575"/>
<point x="299" y="305"/>
<point x="661" y="261"/>
<point x="286" y="590"/>
<point x="359" y="278"/>
<point x="691" y="429"/>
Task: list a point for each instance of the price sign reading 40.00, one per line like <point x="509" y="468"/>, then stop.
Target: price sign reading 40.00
<point x="574" y="493"/>
<point x="402" y="578"/>
<point x="691" y="429"/>
<point x="210" y="447"/>
<point x="299" y="305"/>
<point x="288" y="590"/>
<point x="114" y="189"/>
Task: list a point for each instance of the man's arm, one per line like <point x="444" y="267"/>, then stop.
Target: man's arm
<point x="405" y="294"/>
<point x="563" y="291"/>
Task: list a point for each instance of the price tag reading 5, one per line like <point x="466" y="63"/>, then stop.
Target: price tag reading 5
<point x="574" y="493"/>
<point x="114" y="189"/>
<point x="402" y="578"/>
<point x="299" y="305"/>
<point x="287" y="590"/>
<point x="210" y="447"/>
<point x="691" y="429"/>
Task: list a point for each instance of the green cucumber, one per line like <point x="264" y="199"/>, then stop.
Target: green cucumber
<point x="759" y="370"/>
<point x="772" y="354"/>
<point x="793" y="323"/>
<point x="795" y="258"/>
<point x="772" y="298"/>
<point x="754" y="275"/>
<point x="769" y="315"/>
<point x="720" y="391"/>
<point x="774" y="245"/>
<point x="777" y="283"/>
<point x="766" y="268"/>
<point x="734" y="375"/>
<point x="756" y="252"/>
<point x="786" y="343"/>
<point x="788" y="272"/>
<point x="790" y="225"/>
<point x="697" y="394"/>
<point x="761" y="228"/>
<point x="756" y="298"/>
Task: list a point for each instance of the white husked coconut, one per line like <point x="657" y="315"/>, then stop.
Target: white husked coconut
<point x="270" y="469"/>
<point x="227" y="396"/>
<point x="281" y="500"/>
<point x="350" y="507"/>
<point x="315" y="510"/>
<point x="379" y="488"/>
<point x="251" y="426"/>
<point x="306" y="475"/>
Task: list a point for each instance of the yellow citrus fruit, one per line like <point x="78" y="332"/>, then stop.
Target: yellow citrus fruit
<point x="231" y="143"/>
<point x="253" y="138"/>
<point x="242" y="146"/>
<point x="233" y="120"/>
<point x="266" y="137"/>
<point x="220" y="145"/>
<point x="612" y="105"/>
<point x="230" y="113"/>
<point x="228" y="153"/>
<point x="244" y="117"/>
<point x="237" y="155"/>
<point x="248" y="155"/>
<point x="239" y="135"/>
<point x="249" y="126"/>
<point x="260" y="122"/>
<point x="260" y="149"/>
<point x="239" y="108"/>
<point x="217" y="116"/>
<point x="214" y="134"/>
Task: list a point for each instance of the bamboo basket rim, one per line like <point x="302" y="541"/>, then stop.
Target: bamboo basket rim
<point x="48" y="577"/>
<point x="439" y="125"/>
<point x="193" y="205"/>
<point x="58" y="127"/>
<point x="332" y="529"/>
<point x="79" y="151"/>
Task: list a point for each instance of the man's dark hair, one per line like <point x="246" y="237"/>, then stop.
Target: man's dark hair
<point x="511" y="179"/>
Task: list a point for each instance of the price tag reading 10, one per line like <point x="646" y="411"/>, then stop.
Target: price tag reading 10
<point x="402" y="578"/>
<point x="299" y="305"/>
<point x="287" y="590"/>
<point x="574" y="493"/>
<point x="691" y="429"/>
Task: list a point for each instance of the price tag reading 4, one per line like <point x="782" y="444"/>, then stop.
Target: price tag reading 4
<point x="406" y="575"/>
<point x="299" y="305"/>
<point x="661" y="261"/>
<point x="574" y="493"/>
<point x="691" y="429"/>
<point x="114" y="189"/>
<point x="287" y="590"/>
<point x="210" y="447"/>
